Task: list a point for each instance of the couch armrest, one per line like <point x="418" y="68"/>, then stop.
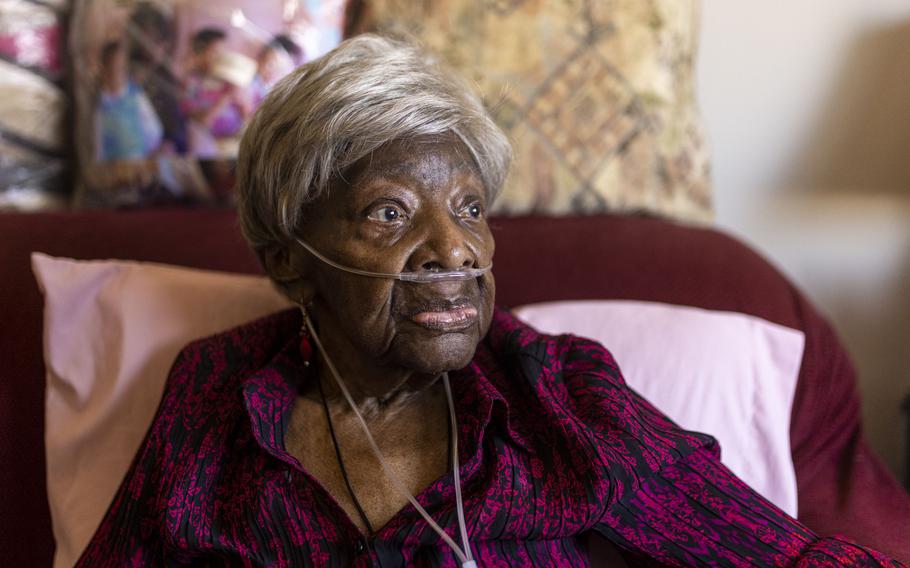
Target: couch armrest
<point x="843" y="486"/>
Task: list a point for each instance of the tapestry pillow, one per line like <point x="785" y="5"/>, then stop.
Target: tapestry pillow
<point x="597" y="97"/>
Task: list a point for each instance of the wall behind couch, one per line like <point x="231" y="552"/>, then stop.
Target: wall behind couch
<point x="807" y="106"/>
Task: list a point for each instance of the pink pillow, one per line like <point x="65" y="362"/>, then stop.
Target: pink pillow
<point x="727" y="374"/>
<point x="112" y="329"/>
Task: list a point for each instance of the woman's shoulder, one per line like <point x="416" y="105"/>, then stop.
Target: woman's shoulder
<point x="213" y="362"/>
<point x="580" y="383"/>
<point x="203" y="395"/>
<point x="511" y="337"/>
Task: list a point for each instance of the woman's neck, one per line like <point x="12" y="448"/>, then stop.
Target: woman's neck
<point x="374" y="385"/>
<point x="376" y="395"/>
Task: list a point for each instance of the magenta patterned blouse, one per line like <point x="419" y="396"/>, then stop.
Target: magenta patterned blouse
<point x="554" y="447"/>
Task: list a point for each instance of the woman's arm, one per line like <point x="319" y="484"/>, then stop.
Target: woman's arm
<point x="125" y="537"/>
<point x="697" y="512"/>
<point x="132" y="532"/>
<point x="129" y="534"/>
<point x="677" y="504"/>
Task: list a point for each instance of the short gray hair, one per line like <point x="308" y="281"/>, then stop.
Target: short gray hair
<point x="333" y="111"/>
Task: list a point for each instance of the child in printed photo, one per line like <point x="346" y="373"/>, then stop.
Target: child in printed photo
<point x="276" y="59"/>
<point x="215" y="108"/>
<point x="127" y="127"/>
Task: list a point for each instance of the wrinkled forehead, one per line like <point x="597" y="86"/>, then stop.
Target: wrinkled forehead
<point x="430" y="159"/>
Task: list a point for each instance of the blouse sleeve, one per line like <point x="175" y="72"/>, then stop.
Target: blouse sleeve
<point x="128" y="534"/>
<point x="674" y="503"/>
<point x="696" y="512"/>
<point x="131" y="532"/>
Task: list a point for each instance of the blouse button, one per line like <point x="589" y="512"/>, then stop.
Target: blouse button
<point x="360" y="546"/>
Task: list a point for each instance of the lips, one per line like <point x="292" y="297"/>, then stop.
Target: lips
<point x="445" y="316"/>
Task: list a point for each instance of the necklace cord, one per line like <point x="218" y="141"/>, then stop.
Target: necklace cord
<point x="465" y="557"/>
<point x="344" y="471"/>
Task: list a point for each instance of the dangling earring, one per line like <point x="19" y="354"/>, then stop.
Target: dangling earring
<point x="306" y="347"/>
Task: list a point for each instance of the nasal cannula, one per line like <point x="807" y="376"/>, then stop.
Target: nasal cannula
<point x="422" y="276"/>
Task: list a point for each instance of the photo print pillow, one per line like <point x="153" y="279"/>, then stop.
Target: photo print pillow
<point x="164" y="89"/>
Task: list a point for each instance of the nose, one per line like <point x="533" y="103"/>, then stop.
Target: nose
<point x="445" y="245"/>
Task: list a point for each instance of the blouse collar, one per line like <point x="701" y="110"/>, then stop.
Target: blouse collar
<point x="269" y="395"/>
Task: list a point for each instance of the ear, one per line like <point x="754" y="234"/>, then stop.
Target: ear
<point x="286" y="267"/>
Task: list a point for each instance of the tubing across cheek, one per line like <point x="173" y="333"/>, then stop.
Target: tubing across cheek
<point x="428" y="276"/>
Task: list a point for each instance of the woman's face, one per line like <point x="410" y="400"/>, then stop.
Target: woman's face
<point x="411" y="206"/>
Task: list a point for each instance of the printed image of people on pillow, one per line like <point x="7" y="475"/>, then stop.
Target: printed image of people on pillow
<point x="166" y="88"/>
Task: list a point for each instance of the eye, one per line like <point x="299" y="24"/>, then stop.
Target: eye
<point x="387" y="214"/>
<point x="473" y="210"/>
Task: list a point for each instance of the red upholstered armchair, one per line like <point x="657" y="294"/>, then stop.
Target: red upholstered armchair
<point x="843" y="488"/>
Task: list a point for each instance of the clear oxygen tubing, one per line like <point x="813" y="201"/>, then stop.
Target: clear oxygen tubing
<point x="464" y="554"/>
<point x="424" y="276"/>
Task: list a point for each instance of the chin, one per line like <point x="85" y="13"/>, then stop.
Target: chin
<point x="445" y="352"/>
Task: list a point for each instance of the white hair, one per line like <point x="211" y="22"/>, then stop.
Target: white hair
<point x="333" y="111"/>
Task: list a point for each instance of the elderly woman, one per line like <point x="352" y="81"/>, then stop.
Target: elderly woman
<point x="399" y="418"/>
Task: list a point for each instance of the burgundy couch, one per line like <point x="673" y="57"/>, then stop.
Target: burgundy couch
<point x="843" y="487"/>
